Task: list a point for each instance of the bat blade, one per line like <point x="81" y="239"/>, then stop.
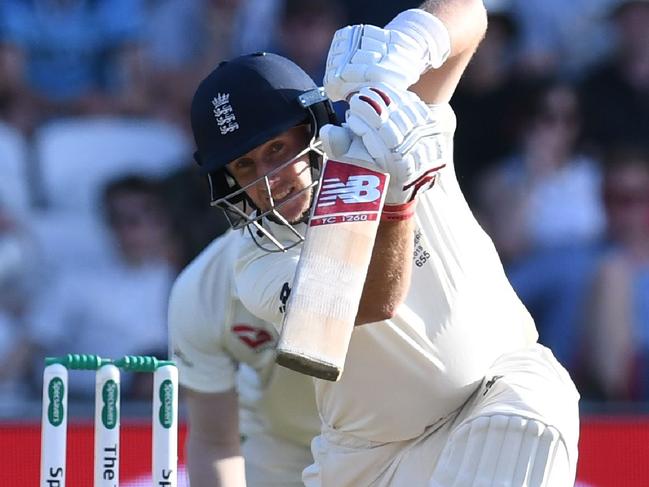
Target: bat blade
<point x="331" y="272"/>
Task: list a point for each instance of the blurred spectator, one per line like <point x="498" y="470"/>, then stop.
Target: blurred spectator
<point x="547" y="193"/>
<point x="254" y="26"/>
<point x="185" y="39"/>
<point x="377" y="13"/>
<point x="616" y="93"/>
<point x="137" y="214"/>
<point x="68" y="57"/>
<point x="237" y="27"/>
<point x="120" y="309"/>
<point x="305" y="31"/>
<point x="561" y="37"/>
<point x="18" y="280"/>
<point x="173" y="60"/>
<point x="195" y="222"/>
<point x="15" y="187"/>
<point x="543" y="210"/>
<point x="617" y="333"/>
<point x="485" y="99"/>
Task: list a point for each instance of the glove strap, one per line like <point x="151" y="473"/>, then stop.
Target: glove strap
<point x="395" y="213"/>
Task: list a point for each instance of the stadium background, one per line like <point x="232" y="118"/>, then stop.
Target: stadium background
<point x="103" y="99"/>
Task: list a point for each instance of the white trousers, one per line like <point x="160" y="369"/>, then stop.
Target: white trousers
<point x="528" y="384"/>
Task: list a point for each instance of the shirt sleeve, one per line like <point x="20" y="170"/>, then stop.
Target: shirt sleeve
<point x="196" y="329"/>
<point x="263" y="281"/>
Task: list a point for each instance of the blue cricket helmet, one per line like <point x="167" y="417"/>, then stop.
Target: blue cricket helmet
<point x="246" y="101"/>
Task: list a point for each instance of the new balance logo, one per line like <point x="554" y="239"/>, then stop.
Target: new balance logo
<point x="349" y="193"/>
<point x="225" y="118"/>
<point x="358" y="189"/>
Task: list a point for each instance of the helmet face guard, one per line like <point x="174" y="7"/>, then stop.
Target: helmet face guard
<point x="242" y="213"/>
<point x="242" y="104"/>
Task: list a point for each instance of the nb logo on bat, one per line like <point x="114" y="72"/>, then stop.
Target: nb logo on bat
<point x="348" y="193"/>
<point x="357" y="190"/>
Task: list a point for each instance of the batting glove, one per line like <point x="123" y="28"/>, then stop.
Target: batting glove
<point x="341" y="144"/>
<point x="403" y="136"/>
<point x="361" y="55"/>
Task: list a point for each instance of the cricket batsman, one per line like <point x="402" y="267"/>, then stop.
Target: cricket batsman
<point x="445" y="383"/>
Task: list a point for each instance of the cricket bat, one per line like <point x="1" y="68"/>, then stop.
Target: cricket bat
<point x="331" y="272"/>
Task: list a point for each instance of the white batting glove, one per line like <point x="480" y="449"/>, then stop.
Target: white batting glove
<point x="360" y="55"/>
<point x="341" y="144"/>
<point x="403" y="136"/>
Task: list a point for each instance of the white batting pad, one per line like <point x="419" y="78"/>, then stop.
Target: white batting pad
<point x="503" y="451"/>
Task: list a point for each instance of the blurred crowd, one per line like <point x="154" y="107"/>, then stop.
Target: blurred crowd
<point x="101" y="204"/>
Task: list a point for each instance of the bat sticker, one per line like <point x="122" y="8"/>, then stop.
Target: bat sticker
<point x="348" y="194"/>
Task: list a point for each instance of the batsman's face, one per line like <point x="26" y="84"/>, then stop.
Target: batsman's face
<point x="270" y="187"/>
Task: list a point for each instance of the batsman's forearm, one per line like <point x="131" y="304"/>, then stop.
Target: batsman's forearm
<point x="388" y="276"/>
<point x="466" y="22"/>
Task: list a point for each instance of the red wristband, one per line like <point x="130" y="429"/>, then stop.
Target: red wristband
<point x="394" y="213"/>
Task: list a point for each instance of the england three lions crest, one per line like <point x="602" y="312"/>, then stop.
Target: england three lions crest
<point x="223" y="113"/>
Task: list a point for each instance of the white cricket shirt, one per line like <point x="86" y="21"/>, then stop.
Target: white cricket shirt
<point x="217" y="345"/>
<point x="460" y="315"/>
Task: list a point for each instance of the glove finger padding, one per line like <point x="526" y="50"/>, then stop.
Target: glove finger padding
<point x="374" y="104"/>
<point x="371" y="35"/>
<point x="335" y="140"/>
<point x="370" y="105"/>
<point x="401" y="133"/>
<point x="387" y="114"/>
<point x="371" y="139"/>
<point x="341" y="144"/>
<point x="364" y="54"/>
<point x="363" y="59"/>
<point x="369" y="112"/>
<point x="360" y="55"/>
